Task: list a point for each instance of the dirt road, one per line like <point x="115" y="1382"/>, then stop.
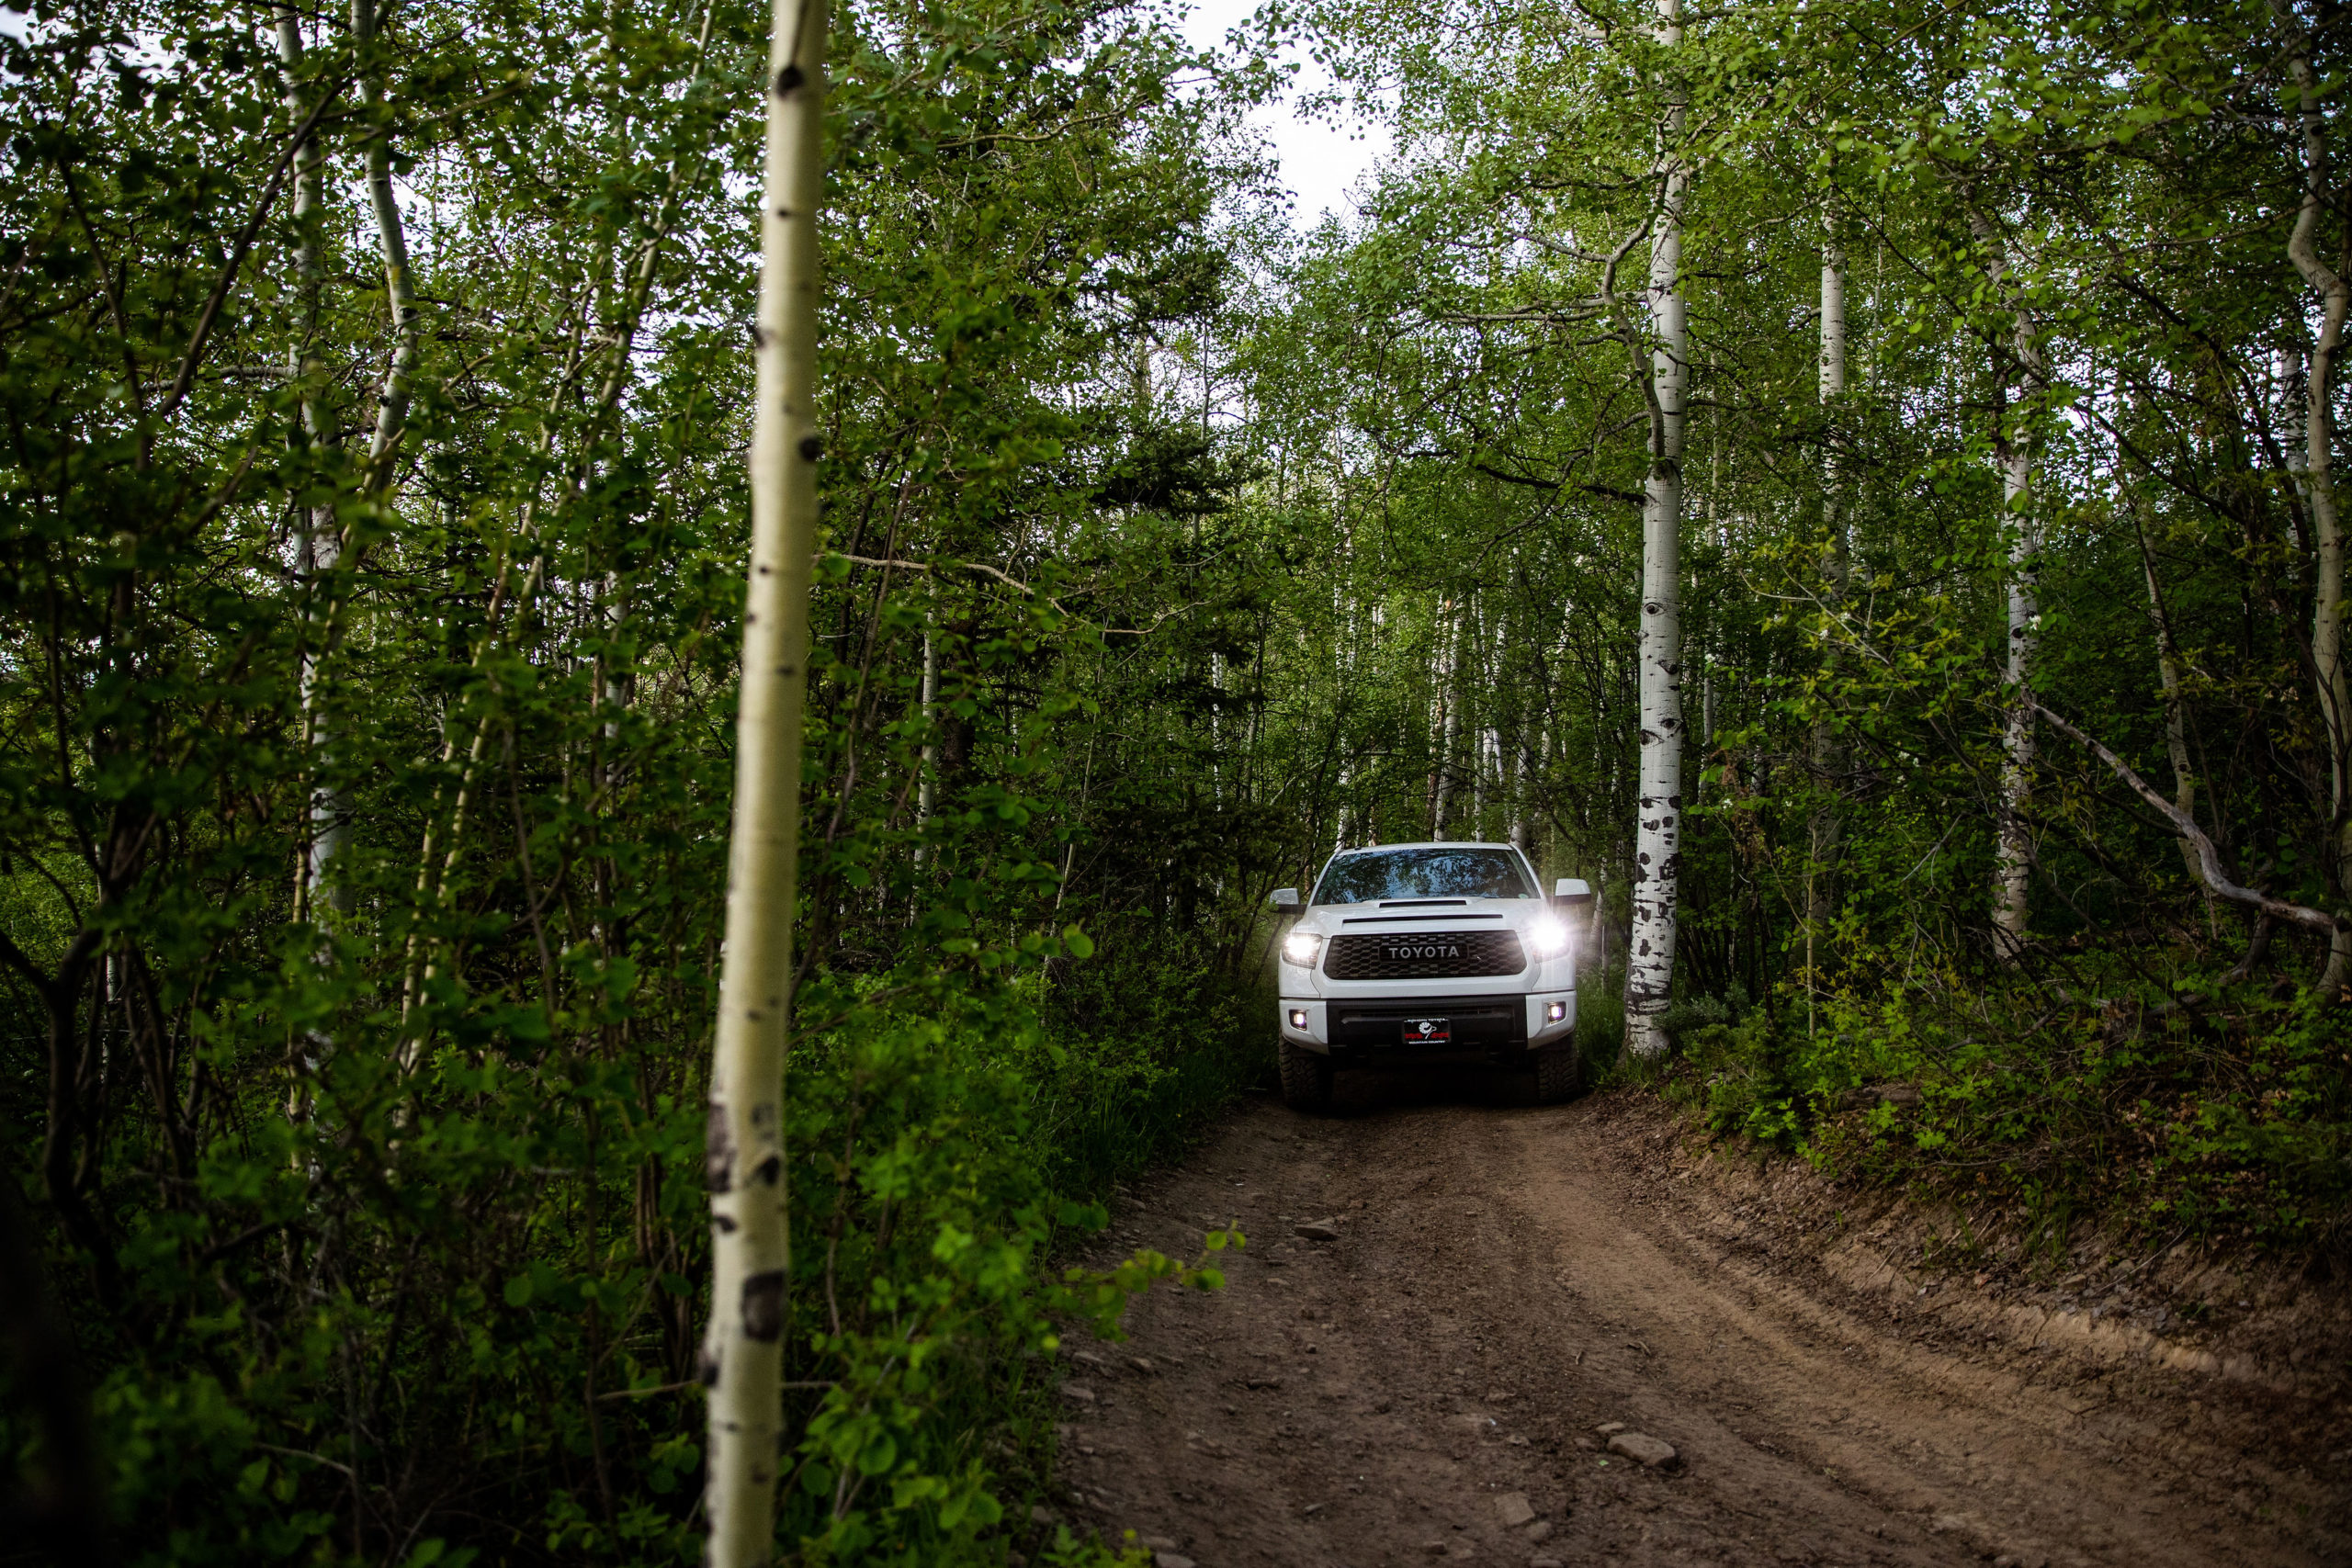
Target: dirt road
<point x="1510" y="1288"/>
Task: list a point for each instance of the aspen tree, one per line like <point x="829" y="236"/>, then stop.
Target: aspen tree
<point x="1478" y="783"/>
<point x="927" y="785"/>
<point x="1650" y="965"/>
<point x="391" y="244"/>
<point x="2318" y="477"/>
<point x="742" y="1347"/>
<point x="1821" y="881"/>
<point x="2013" y="450"/>
<point x="2014" y="856"/>
<point x="312" y="889"/>
<point x="321" y="544"/>
<point x="317" y="524"/>
<point x="1450" y="632"/>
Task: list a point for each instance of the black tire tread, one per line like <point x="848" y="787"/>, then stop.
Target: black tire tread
<point x="1558" y="1074"/>
<point x="1306" y="1079"/>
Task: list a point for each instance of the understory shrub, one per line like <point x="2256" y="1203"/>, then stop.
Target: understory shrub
<point x="2197" y="1111"/>
<point x="405" y="1317"/>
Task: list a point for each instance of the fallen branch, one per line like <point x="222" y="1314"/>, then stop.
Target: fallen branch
<point x="2209" y="859"/>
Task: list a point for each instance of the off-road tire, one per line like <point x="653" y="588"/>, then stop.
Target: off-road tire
<point x="1555" y="1073"/>
<point x="1306" y="1079"/>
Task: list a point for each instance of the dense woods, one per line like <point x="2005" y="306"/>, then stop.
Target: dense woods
<point x="1852" y="480"/>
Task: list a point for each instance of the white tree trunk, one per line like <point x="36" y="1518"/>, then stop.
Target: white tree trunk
<point x="1340" y="828"/>
<point x="2013" y="856"/>
<point x="2013" y="448"/>
<point x="1657" y="840"/>
<point x="400" y="288"/>
<point x="309" y="195"/>
<point x="1594" y="950"/>
<point x="926" y="785"/>
<point x="2318" y="479"/>
<point x="1828" y="760"/>
<point x="1449" y="727"/>
<point x="1478" y="783"/>
<point x="1514" y="769"/>
<point x="319" y="544"/>
<point x="742" y="1349"/>
<point x="323" y="538"/>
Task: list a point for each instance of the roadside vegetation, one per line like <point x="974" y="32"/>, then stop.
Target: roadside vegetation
<point x="1969" y="790"/>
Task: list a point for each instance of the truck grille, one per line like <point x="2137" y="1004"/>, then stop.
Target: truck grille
<point x="1424" y="953"/>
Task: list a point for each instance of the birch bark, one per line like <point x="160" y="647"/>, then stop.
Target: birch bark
<point x="391" y="243"/>
<point x="1339" y="830"/>
<point x="2318" y="481"/>
<point x="1449" y="727"/>
<point x="2013" y="857"/>
<point x="1658" y="854"/>
<point x="323" y="537"/>
<point x="742" y="1347"/>
<point x="2013" y="450"/>
<point x="1479" y="747"/>
<point x="318" y="526"/>
<point x="926" y="786"/>
<point x="1828" y="759"/>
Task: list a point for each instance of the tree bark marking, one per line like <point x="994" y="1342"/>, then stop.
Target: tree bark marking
<point x="1649" y="972"/>
<point x="742" y="1349"/>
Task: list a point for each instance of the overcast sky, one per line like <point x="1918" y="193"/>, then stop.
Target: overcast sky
<point x="1320" y="160"/>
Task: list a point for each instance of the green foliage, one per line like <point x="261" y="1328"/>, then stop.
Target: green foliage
<point x="364" y="796"/>
<point x="2061" y="233"/>
<point x="2191" y="1113"/>
<point x="365" y="812"/>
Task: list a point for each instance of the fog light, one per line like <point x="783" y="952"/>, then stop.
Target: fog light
<point x="1299" y="1018"/>
<point x="1555" y="1012"/>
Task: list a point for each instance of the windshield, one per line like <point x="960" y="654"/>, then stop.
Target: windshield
<point x="1423" y="874"/>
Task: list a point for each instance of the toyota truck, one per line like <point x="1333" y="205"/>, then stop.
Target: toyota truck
<point x="1415" y="955"/>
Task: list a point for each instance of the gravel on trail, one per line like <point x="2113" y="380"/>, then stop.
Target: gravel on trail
<point x="1463" y="1331"/>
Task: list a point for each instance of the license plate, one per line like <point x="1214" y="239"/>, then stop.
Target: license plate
<point x="1428" y="1031"/>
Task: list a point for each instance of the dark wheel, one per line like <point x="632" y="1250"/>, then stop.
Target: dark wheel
<point x="1557" y="1074"/>
<point x="1306" y="1079"/>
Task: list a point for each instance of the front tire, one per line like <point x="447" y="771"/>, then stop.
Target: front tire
<point x="1306" y="1079"/>
<point x="1557" y="1074"/>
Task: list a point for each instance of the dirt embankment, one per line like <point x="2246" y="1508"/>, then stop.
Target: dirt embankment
<point x="1516" y="1297"/>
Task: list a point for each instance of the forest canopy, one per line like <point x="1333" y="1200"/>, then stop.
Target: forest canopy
<point x="1851" y="479"/>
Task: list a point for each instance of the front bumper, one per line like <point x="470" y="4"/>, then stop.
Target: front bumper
<point x="1370" y="1028"/>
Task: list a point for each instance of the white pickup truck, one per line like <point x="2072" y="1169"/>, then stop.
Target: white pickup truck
<point x="1413" y="954"/>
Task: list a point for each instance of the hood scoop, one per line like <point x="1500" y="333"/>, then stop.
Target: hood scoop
<point x="1412" y="920"/>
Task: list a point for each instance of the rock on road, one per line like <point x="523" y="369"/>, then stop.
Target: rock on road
<point x="1523" y="1315"/>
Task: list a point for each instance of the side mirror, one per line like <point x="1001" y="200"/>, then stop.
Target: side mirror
<point x="1286" y="901"/>
<point x="1572" y="893"/>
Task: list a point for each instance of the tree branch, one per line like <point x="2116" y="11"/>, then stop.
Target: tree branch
<point x="203" y="332"/>
<point x="2209" y="859"/>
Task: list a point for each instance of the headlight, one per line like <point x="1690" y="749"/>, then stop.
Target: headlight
<point x="1300" y="947"/>
<point x="1549" y="937"/>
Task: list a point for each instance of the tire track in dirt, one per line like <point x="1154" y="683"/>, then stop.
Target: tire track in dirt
<point x="1507" y="1282"/>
